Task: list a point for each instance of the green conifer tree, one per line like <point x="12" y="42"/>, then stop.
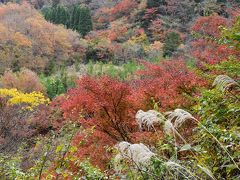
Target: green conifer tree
<point x="171" y="44"/>
<point x="85" y="22"/>
<point x="155" y="3"/>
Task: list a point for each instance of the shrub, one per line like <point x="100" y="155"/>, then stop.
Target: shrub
<point x="104" y="101"/>
<point x="210" y="44"/>
<point x="168" y="83"/>
<point x="25" y="80"/>
<point x="219" y="114"/>
<point x="122" y="72"/>
<point x="29" y="100"/>
<point x="58" y="84"/>
<point x="15" y="110"/>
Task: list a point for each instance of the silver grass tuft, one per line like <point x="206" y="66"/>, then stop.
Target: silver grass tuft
<point x="224" y="82"/>
<point x="138" y="154"/>
<point x="175" y="119"/>
<point x="149" y="118"/>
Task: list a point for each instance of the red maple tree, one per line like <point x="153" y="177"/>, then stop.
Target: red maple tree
<point x="103" y="103"/>
<point x="168" y="83"/>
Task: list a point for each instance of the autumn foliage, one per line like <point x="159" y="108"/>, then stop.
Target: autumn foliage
<point x="168" y="84"/>
<point x="32" y="41"/>
<point x="145" y="69"/>
<point x="210" y="52"/>
<point x="205" y="48"/>
<point x="124" y="7"/>
<point x="102" y="103"/>
<point x="24" y="80"/>
<point x="108" y="106"/>
<point x="16" y="108"/>
<point x="210" y="25"/>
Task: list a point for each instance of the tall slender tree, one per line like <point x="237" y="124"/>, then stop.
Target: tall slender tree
<point x="85" y="22"/>
<point x="78" y="18"/>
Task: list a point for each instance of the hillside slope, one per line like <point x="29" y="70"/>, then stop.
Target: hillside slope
<point x="28" y="40"/>
<point x="121" y="89"/>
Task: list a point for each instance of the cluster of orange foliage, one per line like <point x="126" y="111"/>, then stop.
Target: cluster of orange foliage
<point x="123" y="8"/>
<point x="28" y="39"/>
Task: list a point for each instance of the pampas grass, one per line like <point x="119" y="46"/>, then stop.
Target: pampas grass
<point x="224" y="82"/>
<point x="176" y="118"/>
<point x="149" y="118"/>
<point x="181" y="169"/>
<point x="179" y="116"/>
<point x="138" y="154"/>
<point x="172" y="119"/>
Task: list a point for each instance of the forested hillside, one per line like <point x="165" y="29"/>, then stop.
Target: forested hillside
<point x="119" y="89"/>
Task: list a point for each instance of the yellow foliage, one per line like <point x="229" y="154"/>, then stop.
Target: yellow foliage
<point x="142" y="39"/>
<point x="21" y="40"/>
<point x="16" y="97"/>
<point x="63" y="37"/>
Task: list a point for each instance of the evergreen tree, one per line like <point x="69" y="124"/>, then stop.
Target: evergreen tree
<point x="76" y="16"/>
<point x="55" y="3"/>
<point x="47" y="12"/>
<point x="62" y="15"/>
<point x="85" y="22"/>
<point x="79" y="18"/>
<point x="54" y="15"/>
<point x="72" y="17"/>
<point x="171" y="44"/>
<point x="155" y="3"/>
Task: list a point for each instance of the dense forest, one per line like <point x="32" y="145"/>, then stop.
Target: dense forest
<point x="120" y="89"/>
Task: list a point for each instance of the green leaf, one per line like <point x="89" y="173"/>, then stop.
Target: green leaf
<point x="197" y="148"/>
<point x="58" y="170"/>
<point x="186" y="147"/>
<point x="73" y="149"/>
<point x="59" y="148"/>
